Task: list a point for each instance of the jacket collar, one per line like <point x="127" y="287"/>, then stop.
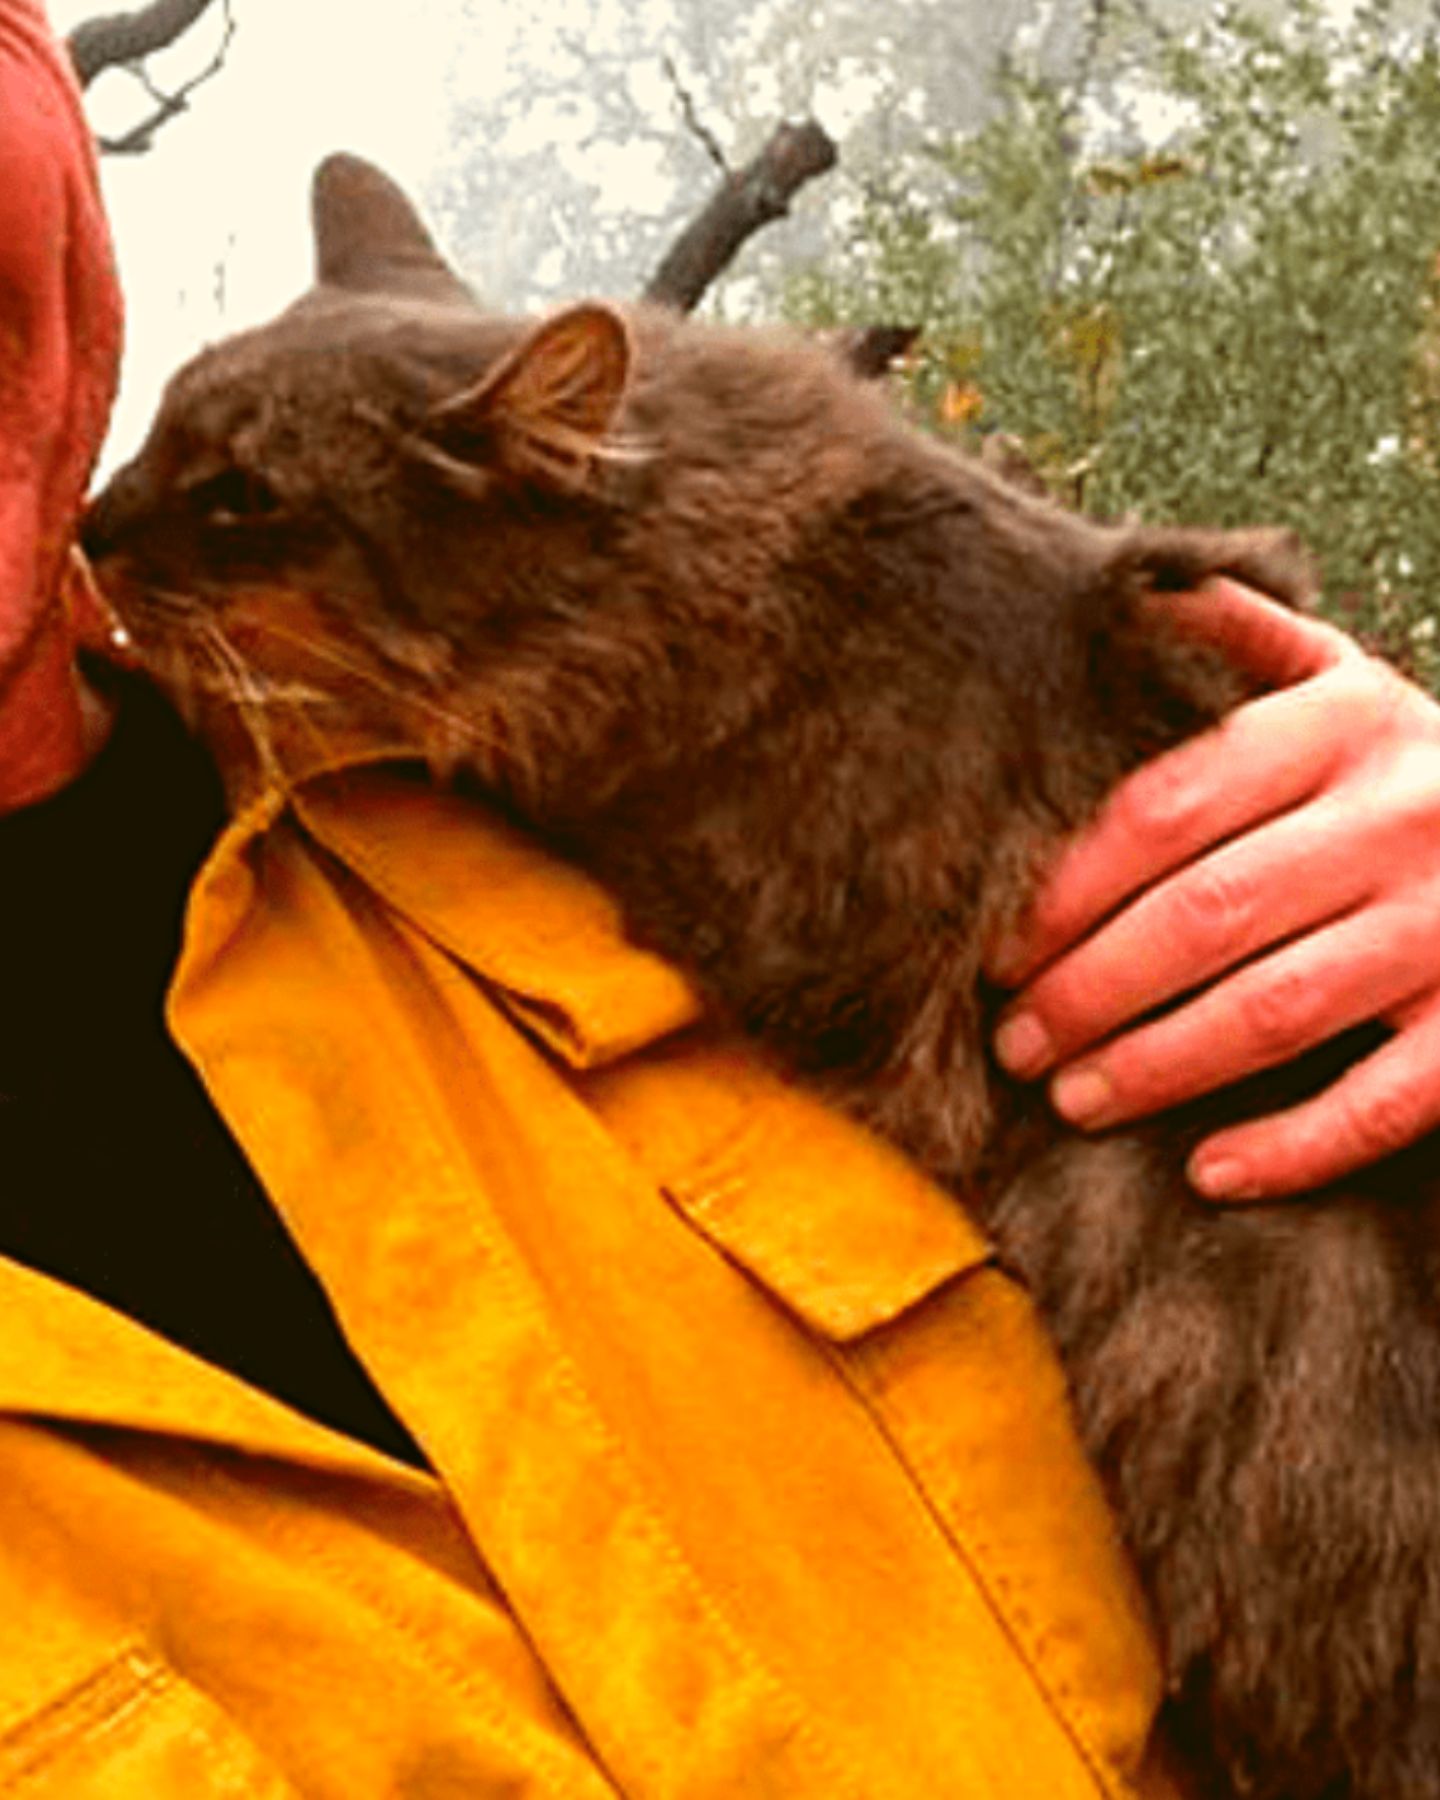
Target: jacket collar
<point x="67" y="1357"/>
<point x="542" y="934"/>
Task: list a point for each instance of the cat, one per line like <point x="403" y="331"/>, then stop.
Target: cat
<point x="813" y="696"/>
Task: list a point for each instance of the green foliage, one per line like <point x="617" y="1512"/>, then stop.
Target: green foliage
<point x="1236" y="321"/>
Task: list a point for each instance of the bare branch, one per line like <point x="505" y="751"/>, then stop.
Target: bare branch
<point x="100" y="43"/>
<point x="747" y="200"/>
<point x="167" y="105"/>
<point x="690" y="113"/>
<point x="141" y="137"/>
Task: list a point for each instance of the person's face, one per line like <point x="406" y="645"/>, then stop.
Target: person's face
<point x="59" y="319"/>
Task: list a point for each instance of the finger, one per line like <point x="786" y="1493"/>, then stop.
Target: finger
<point x="1271" y="642"/>
<point x="1267" y="1013"/>
<point x="1291" y="875"/>
<point x="1263" y="759"/>
<point x="1384" y="1103"/>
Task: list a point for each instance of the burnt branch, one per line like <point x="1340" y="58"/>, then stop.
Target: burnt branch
<point x="123" y="38"/>
<point x="166" y="105"/>
<point x="746" y="200"/>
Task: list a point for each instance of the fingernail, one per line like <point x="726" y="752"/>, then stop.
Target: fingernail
<point x="1222" y="1178"/>
<point x="1083" y="1096"/>
<point x="1023" y="1045"/>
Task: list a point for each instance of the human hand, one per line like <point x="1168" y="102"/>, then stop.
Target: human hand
<point x="59" y="340"/>
<point x="1283" y="871"/>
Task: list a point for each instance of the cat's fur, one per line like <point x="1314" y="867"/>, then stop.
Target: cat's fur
<point x="811" y="695"/>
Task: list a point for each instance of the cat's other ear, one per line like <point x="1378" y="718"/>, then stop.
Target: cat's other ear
<point x="1174" y="558"/>
<point x="370" y="239"/>
<point x="546" y="412"/>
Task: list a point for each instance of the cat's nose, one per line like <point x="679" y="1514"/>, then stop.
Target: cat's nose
<point x="104" y="521"/>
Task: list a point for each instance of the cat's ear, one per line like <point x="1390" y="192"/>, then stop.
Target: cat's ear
<point x="370" y="239"/>
<point x="1173" y="558"/>
<point x="546" y="412"/>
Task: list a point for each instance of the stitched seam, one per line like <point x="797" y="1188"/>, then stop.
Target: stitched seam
<point x="101" y="1702"/>
<point x="511" y="1270"/>
<point x="957" y="1525"/>
<point x="430" y="1658"/>
<point x="466" y="1685"/>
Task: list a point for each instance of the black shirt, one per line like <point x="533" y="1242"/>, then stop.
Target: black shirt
<point x="116" y="1173"/>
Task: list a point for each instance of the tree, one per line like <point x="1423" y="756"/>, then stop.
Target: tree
<point x="1237" y="318"/>
<point x="746" y="200"/>
<point x="580" y="137"/>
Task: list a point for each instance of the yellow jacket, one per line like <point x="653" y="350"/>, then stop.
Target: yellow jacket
<point x="753" y="1475"/>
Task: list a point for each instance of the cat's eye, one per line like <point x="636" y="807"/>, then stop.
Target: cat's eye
<point x="235" y="498"/>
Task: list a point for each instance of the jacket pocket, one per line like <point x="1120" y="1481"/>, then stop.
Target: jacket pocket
<point x="132" y="1729"/>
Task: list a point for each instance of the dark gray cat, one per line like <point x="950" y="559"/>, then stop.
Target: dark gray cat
<point x="812" y="696"/>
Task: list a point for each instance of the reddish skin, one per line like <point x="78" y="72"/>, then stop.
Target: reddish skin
<point x="1290" y="859"/>
<point x="59" y="344"/>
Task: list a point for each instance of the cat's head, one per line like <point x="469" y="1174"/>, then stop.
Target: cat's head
<point x="330" y="452"/>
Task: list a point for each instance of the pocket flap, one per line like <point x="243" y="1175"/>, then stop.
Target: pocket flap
<point x="838" y="1225"/>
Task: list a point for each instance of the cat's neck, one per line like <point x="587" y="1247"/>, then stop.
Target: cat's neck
<point x="833" y="871"/>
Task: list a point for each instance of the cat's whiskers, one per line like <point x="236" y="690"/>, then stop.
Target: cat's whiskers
<point x="251" y="695"/>
<point x="464" y="725"/>
<point x="264" y="697"/>
<point x="205" y="655"/>
<point x="495" y="742"/>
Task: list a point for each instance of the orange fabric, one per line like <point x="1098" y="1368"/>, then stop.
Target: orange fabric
<point x="753" y="1475"/>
